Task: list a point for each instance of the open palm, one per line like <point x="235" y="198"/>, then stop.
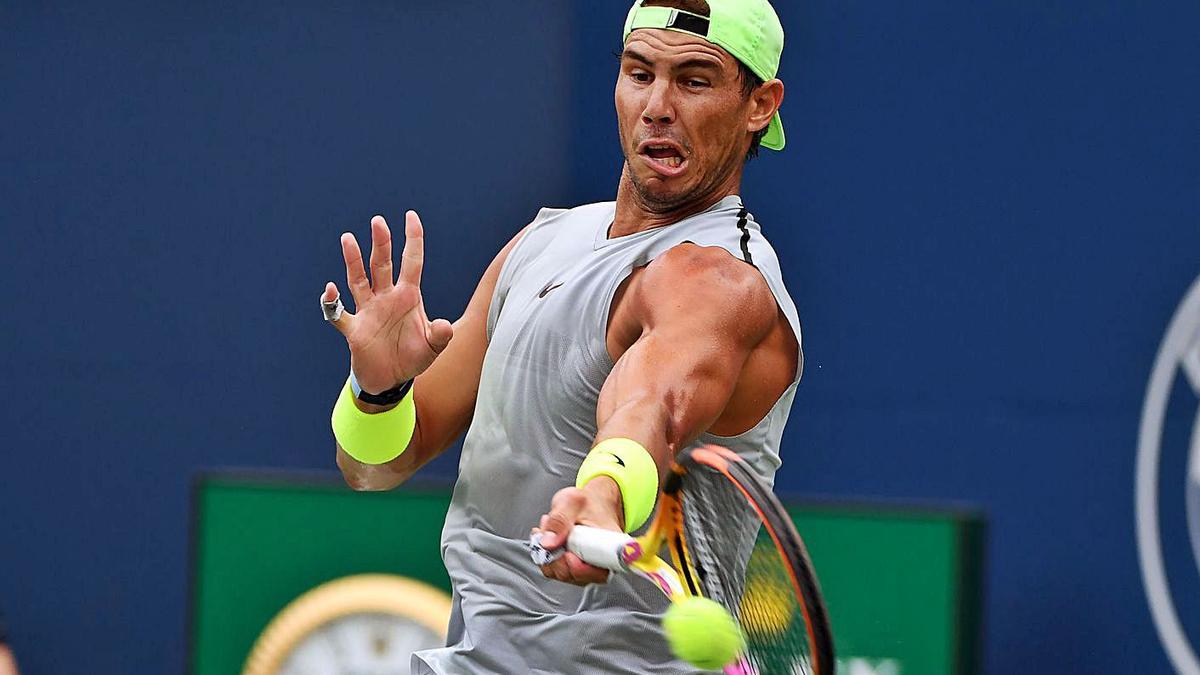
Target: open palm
<point x="391" y="339"/>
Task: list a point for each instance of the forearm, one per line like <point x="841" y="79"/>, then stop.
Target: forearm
<point x="647" y="421"/>
<point x="444" y="399"/>
<point x="657" y="398"/>
<point x="378" y="477"/>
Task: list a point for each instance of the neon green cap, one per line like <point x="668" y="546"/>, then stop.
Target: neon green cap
<point x="747" y="29"/>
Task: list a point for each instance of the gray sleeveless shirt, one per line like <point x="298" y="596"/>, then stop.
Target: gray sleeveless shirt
<point x="535" y="420"/>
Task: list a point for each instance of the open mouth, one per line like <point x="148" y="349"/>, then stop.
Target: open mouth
<point x="666" y="157"/>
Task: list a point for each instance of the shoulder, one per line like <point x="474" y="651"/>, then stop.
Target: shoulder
<point x="706" y="269"/>
<point x="706" y="283"/>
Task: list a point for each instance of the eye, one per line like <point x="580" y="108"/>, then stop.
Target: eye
<point x="693" y="83"/>
<point x="640" y="76"/>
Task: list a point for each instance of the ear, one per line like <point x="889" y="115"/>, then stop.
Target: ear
<point x="764" y="103"/>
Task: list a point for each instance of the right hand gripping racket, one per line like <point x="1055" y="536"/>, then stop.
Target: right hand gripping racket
<point x="730" y="540"/>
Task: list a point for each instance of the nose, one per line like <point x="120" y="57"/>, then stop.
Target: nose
<point x="659" y="108"/>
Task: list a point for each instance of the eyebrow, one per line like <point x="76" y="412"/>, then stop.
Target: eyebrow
<point x="690" y="63"/>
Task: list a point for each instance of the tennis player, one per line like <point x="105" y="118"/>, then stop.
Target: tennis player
<point x="601" y="341"/>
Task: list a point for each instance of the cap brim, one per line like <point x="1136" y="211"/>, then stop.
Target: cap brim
<point x="774" y="140"/>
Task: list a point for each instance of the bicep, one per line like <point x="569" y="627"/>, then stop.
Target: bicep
<point x="698" y="315"/>
<point x="680" y="379"/>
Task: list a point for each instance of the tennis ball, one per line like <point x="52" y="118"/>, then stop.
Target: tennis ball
<point x="768" y="605"/>
<point x="702" y="633"/>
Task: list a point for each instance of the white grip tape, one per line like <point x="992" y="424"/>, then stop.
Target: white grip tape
<point x="604" y="548"/>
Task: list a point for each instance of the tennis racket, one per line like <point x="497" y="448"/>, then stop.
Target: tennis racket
<point x="728" y="539"/>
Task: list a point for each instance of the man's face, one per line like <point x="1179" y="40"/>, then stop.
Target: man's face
<point x="682" y="117"/>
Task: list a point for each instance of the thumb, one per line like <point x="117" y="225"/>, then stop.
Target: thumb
<point x="555" y="527"/>
<point x="439" y="333"/>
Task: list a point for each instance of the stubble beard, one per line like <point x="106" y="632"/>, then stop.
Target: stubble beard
<point x="655" y="201"/>
<point x="662" y="202"/>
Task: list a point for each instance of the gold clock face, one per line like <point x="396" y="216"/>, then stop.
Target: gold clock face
<point x="367" y="624"/>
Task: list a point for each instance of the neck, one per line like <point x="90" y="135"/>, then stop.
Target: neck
<point x="633" y="215"/>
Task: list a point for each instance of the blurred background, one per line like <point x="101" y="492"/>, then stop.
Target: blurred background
<point x="988" y="214"/>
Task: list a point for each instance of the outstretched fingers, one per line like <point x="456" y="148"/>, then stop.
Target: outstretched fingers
<point x="381" y="255"/>
<point x="356" y="275"/>
<point x="413" y="257"/>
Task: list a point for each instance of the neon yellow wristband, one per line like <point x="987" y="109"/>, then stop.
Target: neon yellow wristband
<point x="632" y="468"/>
<point x="377" y="438"/>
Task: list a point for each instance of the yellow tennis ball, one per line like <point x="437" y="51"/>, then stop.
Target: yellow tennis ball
<point x="702" y="633"/>
<point x="768" y="606"/>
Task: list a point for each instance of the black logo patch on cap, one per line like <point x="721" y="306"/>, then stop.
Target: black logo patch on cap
<point x="690" y="23"/>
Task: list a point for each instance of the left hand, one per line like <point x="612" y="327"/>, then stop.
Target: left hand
<point x="597" y="504"/>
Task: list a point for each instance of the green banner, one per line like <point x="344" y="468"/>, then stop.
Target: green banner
<point x="902" y="585"/>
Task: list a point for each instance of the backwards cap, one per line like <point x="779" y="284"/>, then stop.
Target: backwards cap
<point x="747" y="29"/>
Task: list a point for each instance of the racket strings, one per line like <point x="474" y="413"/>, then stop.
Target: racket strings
<point x="719" y="527"/>
<point x="741" y="568"/>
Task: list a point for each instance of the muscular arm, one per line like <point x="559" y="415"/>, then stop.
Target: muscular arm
<point x="444" y="394"/>
<point x="691" y="321"/>
<point x="682" y="332"/>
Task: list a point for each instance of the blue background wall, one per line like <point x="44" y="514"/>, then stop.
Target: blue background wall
<point x="989" y="213"/>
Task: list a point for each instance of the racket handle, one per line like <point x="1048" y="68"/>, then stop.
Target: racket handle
<point x="604" y="548"/>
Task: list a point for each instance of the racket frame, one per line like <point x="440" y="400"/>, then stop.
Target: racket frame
<point x="641" y="555"/>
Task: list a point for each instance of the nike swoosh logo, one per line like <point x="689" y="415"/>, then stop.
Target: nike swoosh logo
<point x="619" y="460"/>
<point x="548" y="288"/>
